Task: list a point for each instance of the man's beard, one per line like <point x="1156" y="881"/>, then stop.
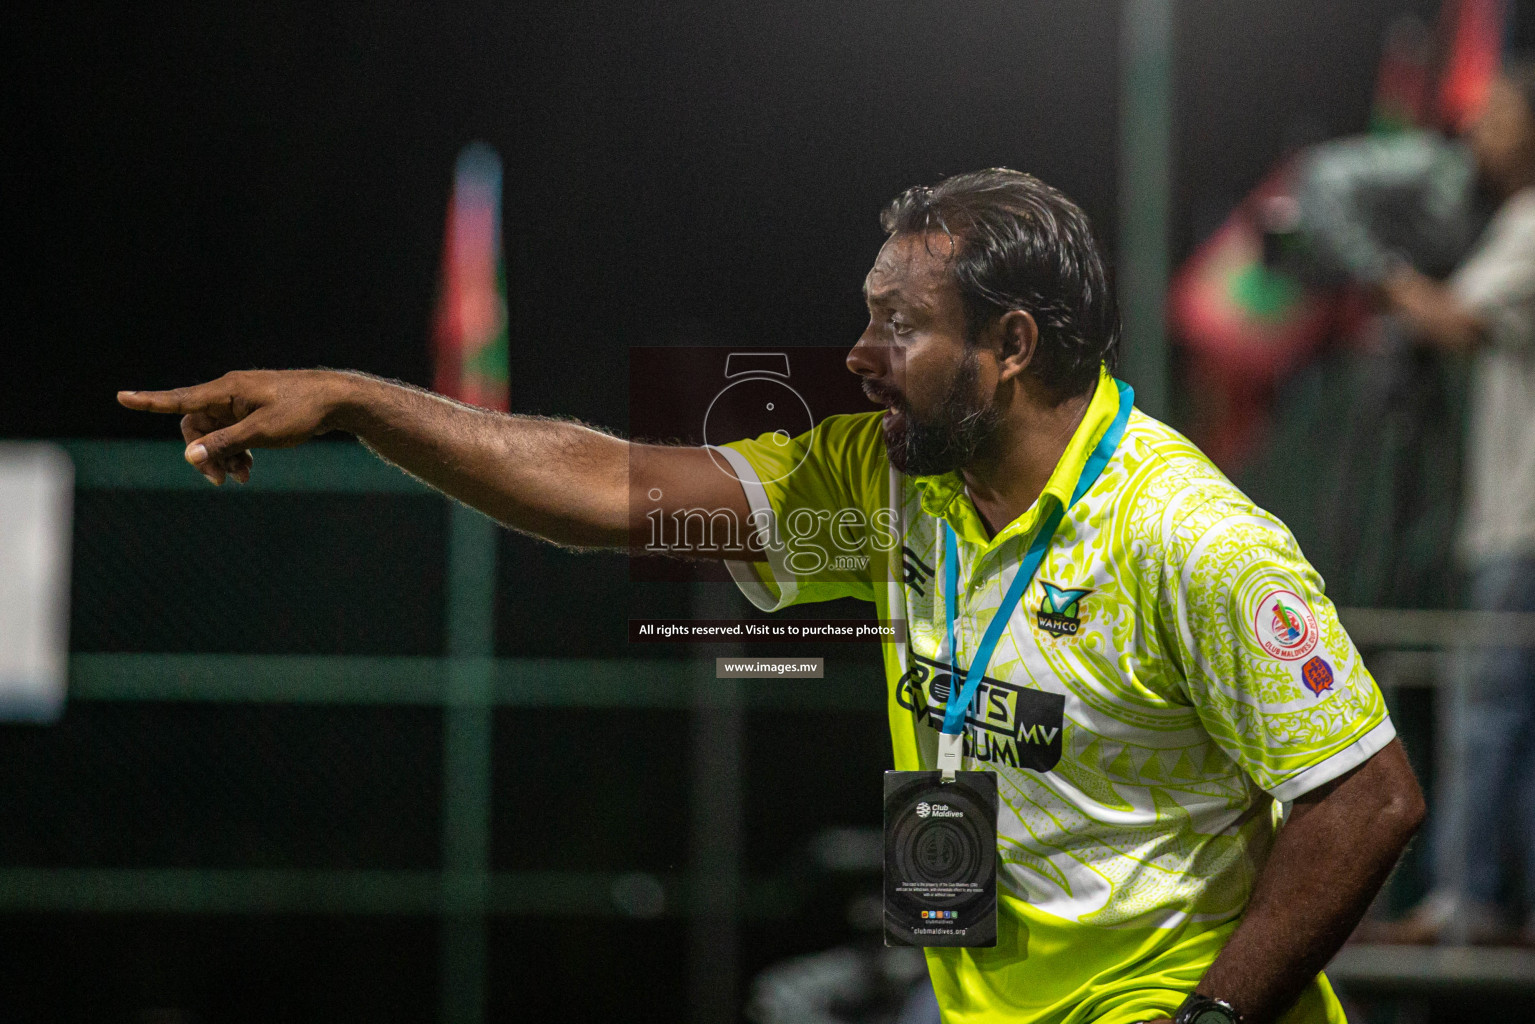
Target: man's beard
<point x="962" y="428"/>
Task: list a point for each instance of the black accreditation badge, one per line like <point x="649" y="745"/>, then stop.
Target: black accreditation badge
<point x="940" y="859"/>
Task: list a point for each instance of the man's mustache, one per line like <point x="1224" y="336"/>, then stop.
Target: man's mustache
<point x="881" y="394"/>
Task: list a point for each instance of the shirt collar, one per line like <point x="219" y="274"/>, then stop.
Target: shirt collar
<point x="943" y="495"/>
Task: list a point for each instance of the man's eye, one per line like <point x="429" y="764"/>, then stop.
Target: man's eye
<point x="900" y="327"/>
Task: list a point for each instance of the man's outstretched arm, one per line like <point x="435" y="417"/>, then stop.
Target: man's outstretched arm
<point x="556" y="479"/>
<point x="1332" y="856"/>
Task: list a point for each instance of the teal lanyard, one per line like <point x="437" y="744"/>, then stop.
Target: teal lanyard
<point x="954" y="714"/>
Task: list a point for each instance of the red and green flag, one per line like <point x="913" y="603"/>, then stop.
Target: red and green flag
<point x="1474" y="31"/>
<point x="469" y="333"/>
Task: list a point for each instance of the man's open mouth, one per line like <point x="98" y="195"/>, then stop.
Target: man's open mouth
<point x="880" y="396"/>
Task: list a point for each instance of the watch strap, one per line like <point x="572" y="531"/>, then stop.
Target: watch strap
<point x="1198" y="1009"/>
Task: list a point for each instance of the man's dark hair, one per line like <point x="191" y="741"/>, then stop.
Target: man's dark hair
<point x="1022" y="245"/>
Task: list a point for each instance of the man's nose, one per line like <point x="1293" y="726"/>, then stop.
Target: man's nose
<point x="867" y="357"/>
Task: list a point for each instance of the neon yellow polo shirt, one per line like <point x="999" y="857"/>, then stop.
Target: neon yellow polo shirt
<point x="1173" y="673"/>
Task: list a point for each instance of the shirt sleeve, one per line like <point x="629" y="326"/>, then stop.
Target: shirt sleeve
<point x="821" y="498"/>
<point x="1497" y="282"/>
<point x="1274" y="677"/>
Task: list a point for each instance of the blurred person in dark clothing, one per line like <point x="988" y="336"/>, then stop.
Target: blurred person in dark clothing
<point x="1445" y="232"/>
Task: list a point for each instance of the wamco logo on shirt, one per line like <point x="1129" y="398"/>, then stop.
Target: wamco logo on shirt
<point x="1058" y="611"/>
<point x="1006" y="725"/>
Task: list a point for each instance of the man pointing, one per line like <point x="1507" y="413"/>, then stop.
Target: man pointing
<point x="1199" y="787"/>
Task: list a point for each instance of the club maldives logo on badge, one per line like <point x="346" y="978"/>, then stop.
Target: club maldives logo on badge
<point x="1284" y="625"/>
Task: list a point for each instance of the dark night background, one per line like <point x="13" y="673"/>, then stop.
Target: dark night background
<point x="192" y="188"/>
<point x="195" y="188"/>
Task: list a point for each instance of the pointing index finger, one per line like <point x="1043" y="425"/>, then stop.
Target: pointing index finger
<point x="182" y="400"/>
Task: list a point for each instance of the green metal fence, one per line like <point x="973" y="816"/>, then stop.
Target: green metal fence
<point x="467" y="683"/>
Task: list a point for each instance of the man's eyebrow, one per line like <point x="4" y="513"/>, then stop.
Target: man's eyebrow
<point x="884" y="296"/>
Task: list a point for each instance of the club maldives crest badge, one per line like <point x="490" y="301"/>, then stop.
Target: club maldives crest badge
<point x="1058" y="611"/>
<point x="1284" y="625"/>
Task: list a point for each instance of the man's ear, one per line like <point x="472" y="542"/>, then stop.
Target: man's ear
<point x="1019" y="335"/>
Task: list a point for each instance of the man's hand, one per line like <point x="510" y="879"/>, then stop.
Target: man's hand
<point x="556" y="479"/>
<point x="223" y="419"/>
<point x="1431" y="311"/>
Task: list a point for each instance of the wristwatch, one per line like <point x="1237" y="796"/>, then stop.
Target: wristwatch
<point x="1198" y="1009"/>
